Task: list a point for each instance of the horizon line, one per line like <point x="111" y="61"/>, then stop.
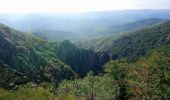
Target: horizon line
<point x="81" y="11"/>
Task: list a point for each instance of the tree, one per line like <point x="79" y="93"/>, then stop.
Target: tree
<point x="118" y="71"/>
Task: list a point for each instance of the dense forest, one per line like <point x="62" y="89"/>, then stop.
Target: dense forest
<point x="131" y="64"/>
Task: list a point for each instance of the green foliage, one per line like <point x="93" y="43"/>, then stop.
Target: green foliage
<point x="91" y="87"/>
<point x="132" y="44"/>
<point x="9" y="78"/>
<point x="148" y="77"/>
<point x="40" y="60"/>
<point x="145" y="79"/>
<point x="138" y="43"/>
<point x="80" y="60"/>
<point x="113" y="32"/>
<point x="117" y="70"/>
<point x="49" y="63"/>
<point x="33" y="57"/>
<point x="26" y="94"/>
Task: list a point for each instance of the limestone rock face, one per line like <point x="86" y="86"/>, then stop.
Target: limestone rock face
<point x="104" y="57"/>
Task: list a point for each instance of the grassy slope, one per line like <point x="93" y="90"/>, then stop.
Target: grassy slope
<point x="26" y="94"/>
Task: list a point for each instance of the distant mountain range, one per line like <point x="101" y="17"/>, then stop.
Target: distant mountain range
<point x="84" y="25"/>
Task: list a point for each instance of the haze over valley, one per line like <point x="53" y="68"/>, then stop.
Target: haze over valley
<point x="71" y="50"/>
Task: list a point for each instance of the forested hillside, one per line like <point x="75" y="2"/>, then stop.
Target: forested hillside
<point x="113" y="32"/>
<point x="46" y="61"/>
<point x="133" y="65"/>
<point x="132" y="44"/>
<point x="27" y="54"/>
<point x="146" y="79"/>
<point x="138" y="43"/>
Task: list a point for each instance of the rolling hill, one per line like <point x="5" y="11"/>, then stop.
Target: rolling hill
<point x="56" y="35"/>
<point x="130" y="65"/>
<point x="26" y="54"/>
<point x="136" y="43"/>
<point x="87" y="25"/>
<point x="40" y="60"/>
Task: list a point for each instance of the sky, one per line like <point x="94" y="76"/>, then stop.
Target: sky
<point x="69" y="6"/>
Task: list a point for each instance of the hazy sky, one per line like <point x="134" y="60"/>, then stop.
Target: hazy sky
<point x="31" y="6"/>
